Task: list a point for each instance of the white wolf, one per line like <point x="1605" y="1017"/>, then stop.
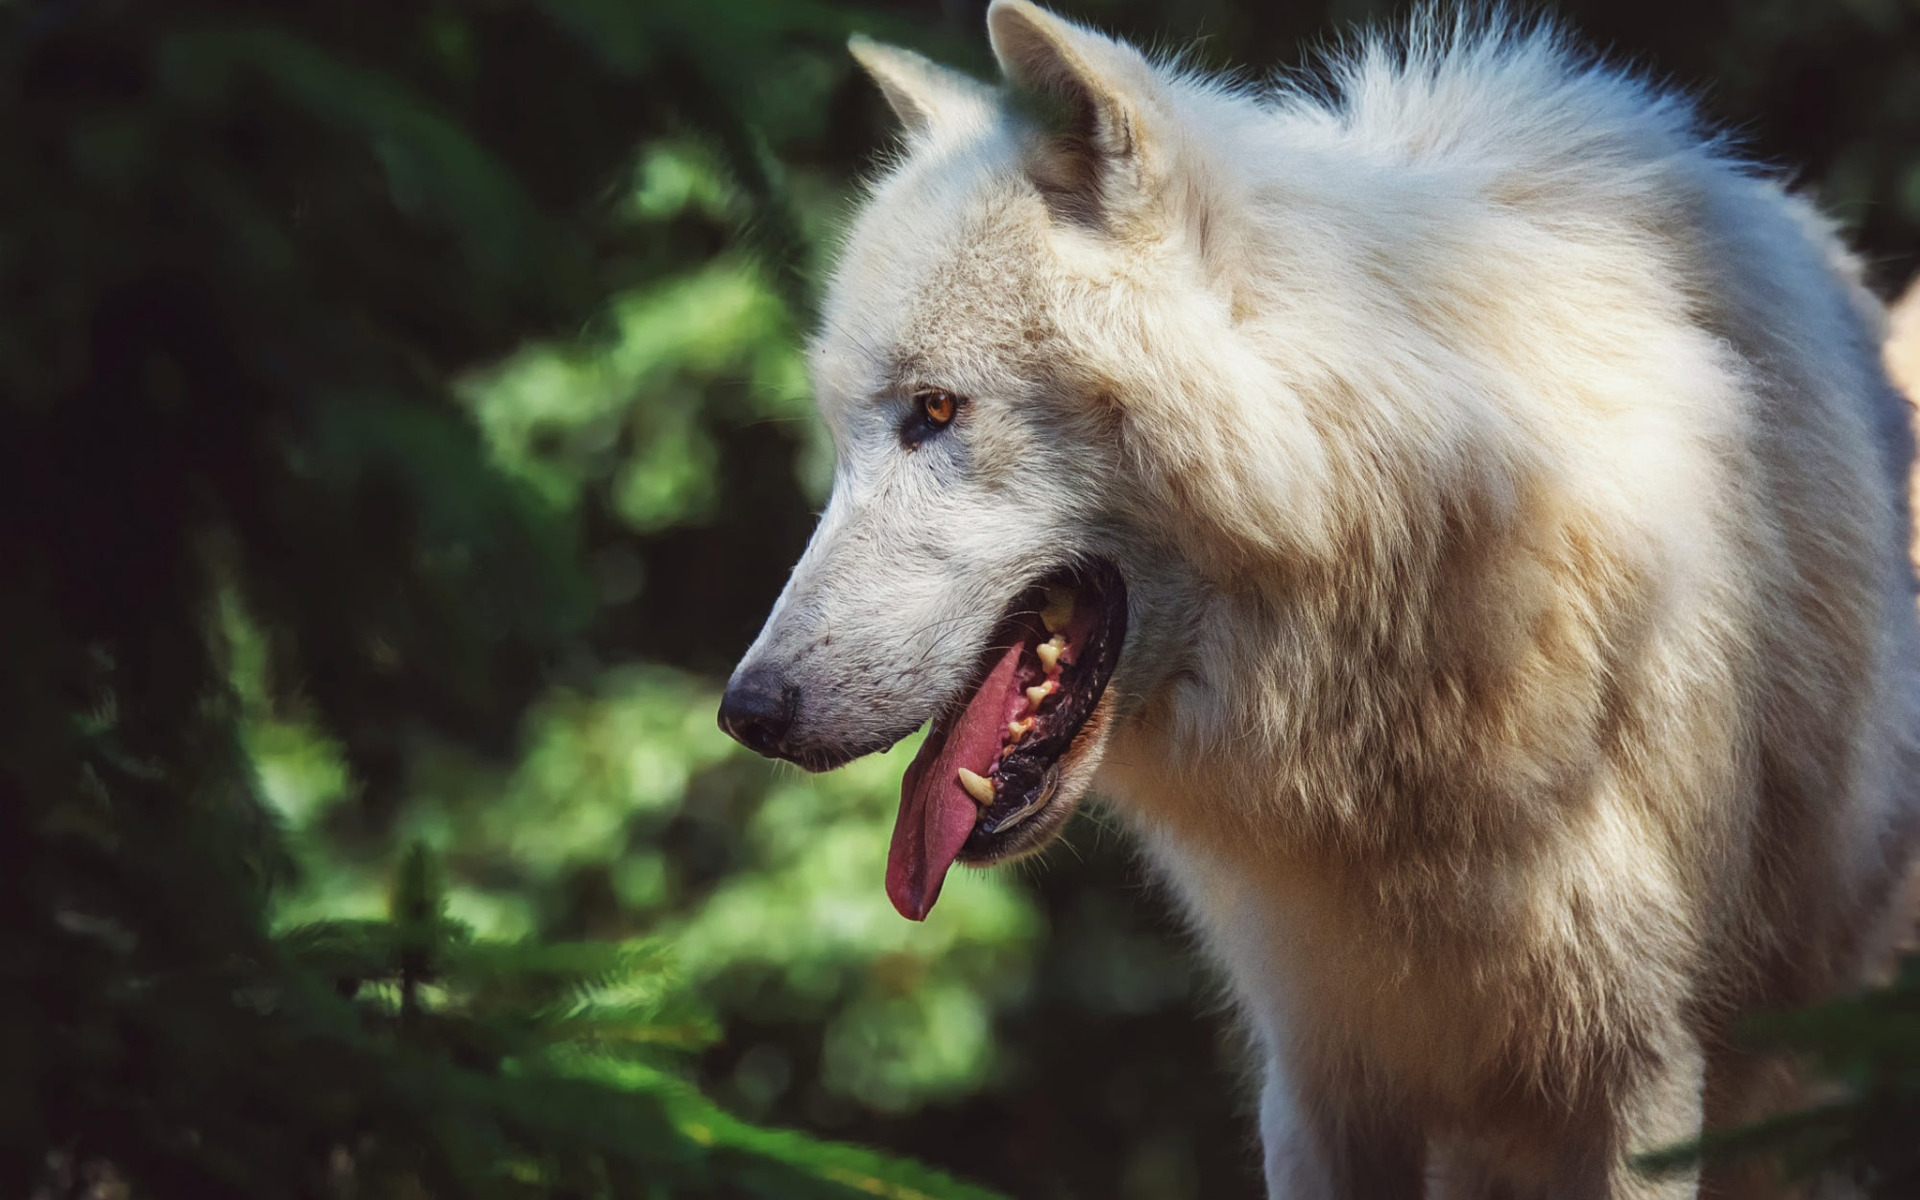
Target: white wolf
<point x="1455" y="515"/>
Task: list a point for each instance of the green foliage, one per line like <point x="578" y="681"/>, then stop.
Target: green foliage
<point x="1870" y="1046"/>
<point x="612" y="790"/>
<point x="1867" y="1049"/>
<point x="258" y="545"/>
<point x="536" y="1068"/>
<point x="402" y="427"/>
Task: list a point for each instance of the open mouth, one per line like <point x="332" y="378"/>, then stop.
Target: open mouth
<point x="986" y="784"/>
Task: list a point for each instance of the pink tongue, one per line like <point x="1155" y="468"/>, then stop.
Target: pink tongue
<point x="936" y="814"/>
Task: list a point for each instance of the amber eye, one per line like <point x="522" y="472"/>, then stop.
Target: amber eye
<point x="938" y="407"/>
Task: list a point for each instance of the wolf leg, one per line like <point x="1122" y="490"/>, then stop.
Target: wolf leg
<point x="1455" y="1172"/>
<point x="1664" y="1108"/>
<point x="1297" y="1164"/>
<point x="1744" y="1088"/>
<point x="1316" y="1151"/>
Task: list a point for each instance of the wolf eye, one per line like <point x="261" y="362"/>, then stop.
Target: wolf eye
<point x="938" y="407"/>
<point x="933" y="410"/>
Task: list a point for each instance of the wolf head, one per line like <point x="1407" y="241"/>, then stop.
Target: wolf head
<point x="1030" y="309"/>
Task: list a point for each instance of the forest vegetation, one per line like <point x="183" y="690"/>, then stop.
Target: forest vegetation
<point x="403" y="426"/>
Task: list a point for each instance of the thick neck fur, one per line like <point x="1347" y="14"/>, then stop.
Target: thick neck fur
<point x="1462" y="588"/>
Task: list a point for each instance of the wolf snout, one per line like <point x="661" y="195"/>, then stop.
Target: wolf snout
<point x="758" y="710"/>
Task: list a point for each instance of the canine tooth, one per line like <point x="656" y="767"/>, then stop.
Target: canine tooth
<point x="978" y="786"/>
<point x="1049" y="653"/>
<point x="1038" y="693"/>
<point x="1059" y="609"/>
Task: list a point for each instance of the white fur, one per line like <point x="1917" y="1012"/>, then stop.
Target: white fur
<point x="1520" y="677"/>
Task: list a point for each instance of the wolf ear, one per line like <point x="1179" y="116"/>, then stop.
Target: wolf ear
<point x="1099" y="161"/>
<point x="926" y="96"/>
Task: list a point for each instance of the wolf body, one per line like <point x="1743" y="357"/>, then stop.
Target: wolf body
<point x="1520" y="657"/>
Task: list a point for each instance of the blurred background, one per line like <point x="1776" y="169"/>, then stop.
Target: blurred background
<point x="406" y="429"/>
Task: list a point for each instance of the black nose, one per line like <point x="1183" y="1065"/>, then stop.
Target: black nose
<point x="758" y="709"/>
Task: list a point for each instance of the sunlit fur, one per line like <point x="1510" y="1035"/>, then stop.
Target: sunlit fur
<point x="1903" y="364"/>
<point x="1903" y="342"/>
<point x="1512" y="500"/>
